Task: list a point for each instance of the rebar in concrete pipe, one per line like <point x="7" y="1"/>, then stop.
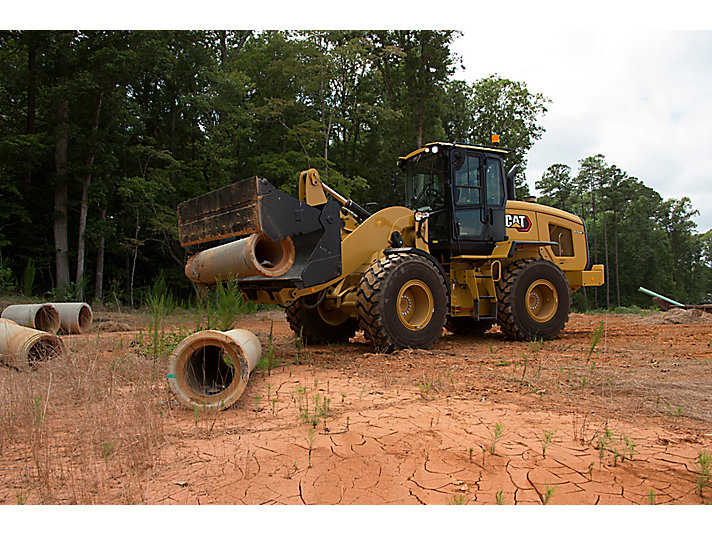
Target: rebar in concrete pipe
<point x="22" y="347"/>
<point x="40" y="316"/>
<point x="256" y="255"/>
<point x="74" y="317"/>
<point x="209" y="369"/>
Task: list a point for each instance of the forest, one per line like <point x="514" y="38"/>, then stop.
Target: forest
<point x="104" y="133"/>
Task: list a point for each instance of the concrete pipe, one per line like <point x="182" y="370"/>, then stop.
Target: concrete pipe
<point x="74" y="317"/>
<point x="256" y="255"/>
<point x="40" y="316"/>
<point x="209" y="369"/>
<point x="22" y="347"/>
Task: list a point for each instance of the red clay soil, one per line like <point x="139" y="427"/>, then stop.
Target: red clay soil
<point x="478" y="420"/>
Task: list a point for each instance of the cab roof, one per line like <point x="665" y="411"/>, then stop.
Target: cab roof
<point x="429" y="146"/>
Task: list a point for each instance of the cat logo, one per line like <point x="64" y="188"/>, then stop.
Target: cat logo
<point x="520" y="222"/>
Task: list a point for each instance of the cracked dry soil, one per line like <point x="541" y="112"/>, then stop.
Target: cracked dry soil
<point x="475" y="420"/>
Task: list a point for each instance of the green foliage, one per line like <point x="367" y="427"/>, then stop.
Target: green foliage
<point x="595" y="338"/>
<point x="28" y="278"/>
<point x="7" y="281"/>
<point x="496" y="435"/>
<point x="229" y="303"/>
<point x="459" y="499"/>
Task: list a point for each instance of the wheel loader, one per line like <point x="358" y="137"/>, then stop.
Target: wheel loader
<point x="462" y="254"/>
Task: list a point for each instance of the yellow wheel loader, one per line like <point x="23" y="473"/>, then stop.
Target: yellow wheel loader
<point x="462" y="254"/>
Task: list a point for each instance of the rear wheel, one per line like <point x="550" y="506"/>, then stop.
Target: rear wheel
<point x="534" y="300"/>
<point x="320" y="324"/>
<point x="467" y="326"/>
<point x="402" y="302"/>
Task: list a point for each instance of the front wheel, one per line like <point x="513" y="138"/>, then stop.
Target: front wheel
<point x="402" y="302"/>
<point x="320" y="324"/>
<point x="534" y="300"/>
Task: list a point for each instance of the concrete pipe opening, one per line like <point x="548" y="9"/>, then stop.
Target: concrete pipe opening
<point x="47" y="319"/>
<point x="273" y="258"/>
<point x="43" y="317"/>
<point x="209" y="370"/>
<point x="75" y="317"/>
<point x="43" y="349"/>
<point x="22" y="347"/>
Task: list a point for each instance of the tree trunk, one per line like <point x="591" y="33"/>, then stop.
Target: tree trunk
<point x="31" y="103"/>
<point x="595" y="242"/>
<point x="605" y="248"/>
<point x="615" y="244"/>
<point x="61" y="194"/>
<point x="84" y="208"/>
<point x="99" y="280"/>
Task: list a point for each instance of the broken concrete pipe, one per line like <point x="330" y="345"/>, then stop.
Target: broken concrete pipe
<point x="256" y="255"/>
<point x="74" y="317"/>
<point x="39" y="316"/>
<point x="209" y="370"/>
<point x="22" y="347"/>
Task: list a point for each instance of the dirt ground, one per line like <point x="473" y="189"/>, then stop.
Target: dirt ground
<point x="475" y="420"/>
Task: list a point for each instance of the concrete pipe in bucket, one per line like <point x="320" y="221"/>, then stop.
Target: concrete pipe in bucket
<point x="209" y="369"/>
<point x="39" y="316"/>
<point x="22" y="347"/>
<point x="74" y="317"/>
<point x="256" y="255"/>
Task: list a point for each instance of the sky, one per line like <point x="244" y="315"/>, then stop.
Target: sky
<point x="641" y="98"/>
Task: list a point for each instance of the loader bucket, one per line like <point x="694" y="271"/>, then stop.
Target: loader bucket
<point x="256" y="207"/>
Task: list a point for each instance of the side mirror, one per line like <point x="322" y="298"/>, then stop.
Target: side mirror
<point x="457" y="158"/>
<point x="394" y="181"/>
<point x="511" y="190"/>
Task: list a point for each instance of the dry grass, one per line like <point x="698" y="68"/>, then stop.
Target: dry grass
<point x="82" y="429"/>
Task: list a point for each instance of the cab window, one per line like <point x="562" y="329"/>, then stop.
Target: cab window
<point x="467" y="182"/>
<point x="495" y="191"/>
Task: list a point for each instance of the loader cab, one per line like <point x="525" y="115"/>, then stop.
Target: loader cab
<point x="462" y="191"/>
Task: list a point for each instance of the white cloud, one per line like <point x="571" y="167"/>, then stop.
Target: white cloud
<point x="643" y="99"/>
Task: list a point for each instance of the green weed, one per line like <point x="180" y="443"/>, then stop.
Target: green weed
<point x="107" y="448"/>
<point x="545" y="442"/>
<point x="459" y="499"/>
<point x="704" y="477"/>
<point x="499" y="498"/>
<point x="228" y="302"/>
<point x="546" y="496"/>
<point x="595" y="338"/>
<point x="310" y="443"/>
<point x="496" y="435"/>
<point x="651" y="496"/>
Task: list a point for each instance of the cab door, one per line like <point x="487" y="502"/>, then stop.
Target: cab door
<point x="478" y="199"/>
<point x="495" y="199"/>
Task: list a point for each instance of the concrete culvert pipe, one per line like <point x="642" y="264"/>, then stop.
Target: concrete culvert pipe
<point x="22" y="347"/>
<point x="39" y="316"/>
<point x="74" y="317"/>
<point x="210" y="369"/>
<point x="256" y="255"/>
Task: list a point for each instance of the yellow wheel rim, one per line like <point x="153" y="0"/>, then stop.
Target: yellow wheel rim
<point x="414" y="305"/>
<point x="542" y="300"/>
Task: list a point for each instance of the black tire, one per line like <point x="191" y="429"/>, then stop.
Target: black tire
<point x="319" y="325"/>
<point x="402" y="302"/>
<point x="534" y="300"/>
<point x="467" y="326"/>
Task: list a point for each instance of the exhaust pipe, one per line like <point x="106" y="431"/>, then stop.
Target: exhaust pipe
<point x="22" y="347"/>
<point x="256" y="255"/>
<point x="38" y="316"/>
<point x="209" y="369"/>
<point x="74" y="317"/>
